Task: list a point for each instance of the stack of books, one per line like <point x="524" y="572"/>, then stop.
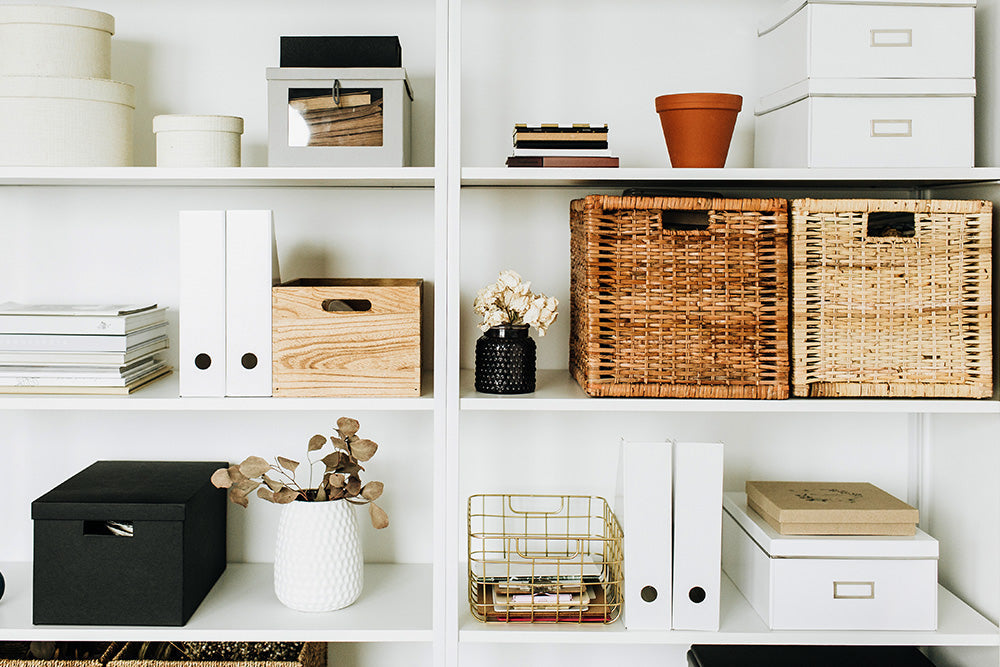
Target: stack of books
<point x="554" y="145"/>
<point x="48" y="349"/>
<point x="546" y="590"/>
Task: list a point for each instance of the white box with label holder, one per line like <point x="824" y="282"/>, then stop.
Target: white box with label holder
<point x="829" y="582"/>
<point x="864" y="39"/>
<point x="867" y="123"/>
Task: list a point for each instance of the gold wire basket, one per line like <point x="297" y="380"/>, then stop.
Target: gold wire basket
<point x="544" y="559"/>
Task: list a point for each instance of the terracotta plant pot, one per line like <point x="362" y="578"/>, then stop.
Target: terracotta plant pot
<point x="698" y="127"/>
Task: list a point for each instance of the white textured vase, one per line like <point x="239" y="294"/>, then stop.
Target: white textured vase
<point x="317" y="558"/>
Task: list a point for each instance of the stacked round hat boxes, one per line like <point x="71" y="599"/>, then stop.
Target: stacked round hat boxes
<point x="58" y="105"/>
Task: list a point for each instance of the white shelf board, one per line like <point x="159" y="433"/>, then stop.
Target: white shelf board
<point x="556" y="390"/>
<point x="745" y="176"/>
<point x="354" y="177"/>
<point x="395" y="606"/>
<point x="958" y="625"/>
<point x="163" y="395"/>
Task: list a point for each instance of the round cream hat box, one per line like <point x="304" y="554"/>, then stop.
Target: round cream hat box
<point x="65" y="122"/>
<point x="38" y="40"/>
<point x="197" y="141"/>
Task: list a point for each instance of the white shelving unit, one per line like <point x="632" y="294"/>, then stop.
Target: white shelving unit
<point x="456" y="219"/>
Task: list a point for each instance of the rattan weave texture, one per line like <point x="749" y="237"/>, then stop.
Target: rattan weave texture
<point x="901" y="315"/>
<point x="663" y="306"/>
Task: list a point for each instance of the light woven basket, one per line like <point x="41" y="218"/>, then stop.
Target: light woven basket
<point x="691" y="312"/>
<point x="313" y="654"/>
<point x="12" y="654"/>
<point x="891" y="315"/>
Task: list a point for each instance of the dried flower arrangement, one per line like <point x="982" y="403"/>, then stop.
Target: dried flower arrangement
<point x="340" y="479"/>
<point x="510" y="301"/>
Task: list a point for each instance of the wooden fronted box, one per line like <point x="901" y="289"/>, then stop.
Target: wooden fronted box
<point x="346" y="337"/>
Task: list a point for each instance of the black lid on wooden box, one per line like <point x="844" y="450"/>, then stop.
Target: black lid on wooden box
<point x="127" y="490"/>
<point x="341" y="51"/>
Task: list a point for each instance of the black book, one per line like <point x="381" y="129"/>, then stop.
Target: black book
<point x="341" y="51"/>
<point x="708" y="655"/>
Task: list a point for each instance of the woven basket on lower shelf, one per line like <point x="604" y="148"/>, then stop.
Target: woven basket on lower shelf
<point x="71" y="654"/>
<point x="891" y="298"/>
<point x="222" y="654"/>
<point x="679" y="297"/>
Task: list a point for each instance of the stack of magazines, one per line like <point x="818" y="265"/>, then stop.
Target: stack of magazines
<point x="81" y="349"/>
<point x="547" y="590"/>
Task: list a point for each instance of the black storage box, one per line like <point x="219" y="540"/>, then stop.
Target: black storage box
<point x="341" y="52"/>
<point x="128" y="543"/>
<point x="707" y="655"/>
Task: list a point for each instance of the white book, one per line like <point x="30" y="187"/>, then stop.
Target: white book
<point x="697" y="535"/>
<point x="646" y="484"/>
<point x="574" y="152"/>
<point x="81" y="342"/>
<point x="79" y="370"/>
<point x="76" y="380"/>
<point x="202" y="322"/>
<point x="80" y="319"/>
<point x="60" y="358"/>
<point x="251" y="272"/>
<point x="88" y="389"/>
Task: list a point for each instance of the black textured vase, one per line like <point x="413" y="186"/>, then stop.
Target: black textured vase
<point x="505" y="361"/>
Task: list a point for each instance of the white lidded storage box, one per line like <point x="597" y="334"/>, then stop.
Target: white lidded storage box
<point x="38" y="40"/>
<point x="356" y="117"/>
<point x="867" y="123"/>
<point x="829" y="582"/>
<point x="866" y="39"/>
<point x="197" y="141"/>
<point x="59" y="122"/>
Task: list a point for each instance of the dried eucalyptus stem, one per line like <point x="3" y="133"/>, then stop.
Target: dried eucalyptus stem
<point x="340" y="481"/>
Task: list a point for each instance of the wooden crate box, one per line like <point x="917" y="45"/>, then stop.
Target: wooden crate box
<point x="346" y="337"/>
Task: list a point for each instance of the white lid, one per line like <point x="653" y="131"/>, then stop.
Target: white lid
<point x="329" y="74"/>
<point x="185" y="122"/>
<point x="777" y="545"/>
<point x="788" y="9"/>
<point x="76" y="16"/>
<point x="100" y="90"/>
<point x="865" y="88"/>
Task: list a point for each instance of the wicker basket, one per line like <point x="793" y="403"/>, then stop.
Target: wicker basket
<point x="15" y="654"/>
<point x="310" y="654"/>
<point x="891" y="298"/>
<point x="679" y="297"/>
<point x="544" y="559"/>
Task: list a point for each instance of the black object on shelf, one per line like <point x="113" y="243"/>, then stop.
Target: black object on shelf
<point x="505" y="360"/>
<point x="2" y="586"/>
<point x="736" y="655"/>
<point x="128" y="543"/>
<point x="341" y="51"/>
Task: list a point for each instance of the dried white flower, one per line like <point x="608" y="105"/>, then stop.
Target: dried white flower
<point x="511" y="301"/>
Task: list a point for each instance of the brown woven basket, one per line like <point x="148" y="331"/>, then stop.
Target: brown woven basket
<point x="903" y="314"/>
<point x="679" y="297"/>
<point x="14" y="654"/>
<point x="313" y="654"/>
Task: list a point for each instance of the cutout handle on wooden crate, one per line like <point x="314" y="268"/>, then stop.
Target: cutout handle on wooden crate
<point x="347" y="305"/>
<point x="890" y="224"/>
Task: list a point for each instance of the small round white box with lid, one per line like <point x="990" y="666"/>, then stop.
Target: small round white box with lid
<point x="54" y="121"/>
<point x="37" y="40"/>
<point x="197" y="141"/>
